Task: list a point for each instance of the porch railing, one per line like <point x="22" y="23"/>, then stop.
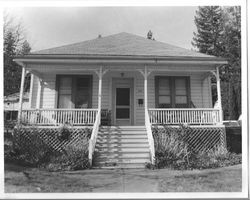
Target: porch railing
<point x="58" y="116"/>
<point x="94" y="135"/>
<point x="150" y="138"/>
<point x="194" y="116"/>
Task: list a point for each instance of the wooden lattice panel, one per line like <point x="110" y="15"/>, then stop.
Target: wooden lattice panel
<point x="78" y="137"/>
<point x="199" y="138"/>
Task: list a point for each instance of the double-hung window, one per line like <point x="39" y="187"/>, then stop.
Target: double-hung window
<point x="172" y="92"/>
<point x="74" y="91"/>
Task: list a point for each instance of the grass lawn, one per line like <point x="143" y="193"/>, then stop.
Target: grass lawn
<point x="21" y="179"/>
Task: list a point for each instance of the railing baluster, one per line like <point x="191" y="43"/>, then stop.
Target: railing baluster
<point x="185" y="115"/>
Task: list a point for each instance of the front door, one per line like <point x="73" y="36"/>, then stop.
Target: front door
<point x="123" y="101"/>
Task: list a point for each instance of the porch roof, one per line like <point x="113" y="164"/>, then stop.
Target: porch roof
<point x="122" y="45"/>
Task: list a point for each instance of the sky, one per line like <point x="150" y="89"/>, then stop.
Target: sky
<point x="47" y="27"/>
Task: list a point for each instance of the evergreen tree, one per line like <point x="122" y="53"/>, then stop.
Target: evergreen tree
<point x="209" y="22"/>
<point x="219" y="34"/>
<point x="232" y="51"/>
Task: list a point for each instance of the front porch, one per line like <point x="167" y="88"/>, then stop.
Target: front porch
<point x="144" y="101"/>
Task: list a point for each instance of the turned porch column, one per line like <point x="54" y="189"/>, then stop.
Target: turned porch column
<point x="39" y="91"/>
<point x="146" y="89"/>
<point x="31" y="89"/>
<point x="219" y="92"/>
<point x="21" y="95"/>
<point x="100" y="74"/>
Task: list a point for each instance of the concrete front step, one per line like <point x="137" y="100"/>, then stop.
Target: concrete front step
<point x="122" y="140"/>
<point x="122" y="145"/>
<point x="122" y="160"/>
<point x="122" y="150"/>
<point x="132" y="132"/>
<point x="122" y="155"/>
<point x="122" y="127"/>
<point x="121" y="136"/>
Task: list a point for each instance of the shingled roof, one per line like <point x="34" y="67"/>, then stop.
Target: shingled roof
<point x="122" y="44"/>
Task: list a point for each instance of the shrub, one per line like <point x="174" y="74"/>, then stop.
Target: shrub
<point x="72" y="158"/>
<point x="28" y="150"/>
<point x="172" y="150"/>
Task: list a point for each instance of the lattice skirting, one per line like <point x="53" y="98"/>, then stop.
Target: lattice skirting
<point x="52" y="137"/>
<point x="199" y="138"/>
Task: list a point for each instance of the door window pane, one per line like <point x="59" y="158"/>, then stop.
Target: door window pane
<point x="122" y="96"/>
<point x="122" y="113"/>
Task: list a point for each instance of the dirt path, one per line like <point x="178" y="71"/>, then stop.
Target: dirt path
<point x="18" y="179"/>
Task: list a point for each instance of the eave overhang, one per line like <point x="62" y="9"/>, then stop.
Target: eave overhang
<point x="116" y="59"/>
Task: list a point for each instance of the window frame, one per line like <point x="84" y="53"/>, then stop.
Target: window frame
<point x="172" y="90"/>
<point x="73" y="88"/>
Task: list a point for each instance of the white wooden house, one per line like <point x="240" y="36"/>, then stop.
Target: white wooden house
<point x="141" y="82"/>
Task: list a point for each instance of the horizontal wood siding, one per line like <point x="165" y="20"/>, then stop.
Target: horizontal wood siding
<point x="48" y="91"/>
<point x="34" y="93"/>
<point x="207" y="95"/>
<point x="140" y="111"/>
<point x="106" y="92"/>
<point x="196" y="90"/>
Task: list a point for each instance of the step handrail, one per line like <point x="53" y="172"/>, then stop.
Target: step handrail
<point x="93" y="138"/>
<point x="150" y="137"/>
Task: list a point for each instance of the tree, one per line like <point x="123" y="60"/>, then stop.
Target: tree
<point x="232" y="51"/>
<point x="219" y="34"/>
<point x="209" y="34"/>
<point x="14" y="45"/>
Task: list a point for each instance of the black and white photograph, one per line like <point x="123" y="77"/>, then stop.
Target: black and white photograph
<point x="124" y="101"/>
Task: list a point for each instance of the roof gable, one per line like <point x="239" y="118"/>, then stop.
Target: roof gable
<point x="121" y="44"/>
